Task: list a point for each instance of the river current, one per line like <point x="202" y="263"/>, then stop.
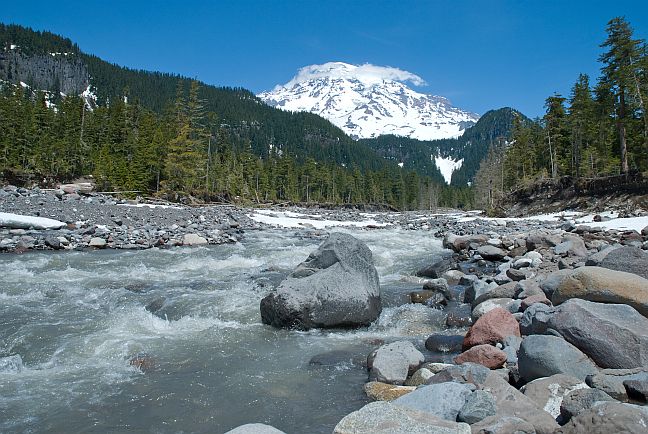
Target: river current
<point x="71" y="322"/>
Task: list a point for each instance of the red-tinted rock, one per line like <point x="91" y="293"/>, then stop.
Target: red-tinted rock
<point x="486" y="355"/>
<point x="539" y="298"/>
<point x="492" y="327"/>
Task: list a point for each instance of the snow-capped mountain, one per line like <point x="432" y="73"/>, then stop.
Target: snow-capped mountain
<point x="368" y="101"/>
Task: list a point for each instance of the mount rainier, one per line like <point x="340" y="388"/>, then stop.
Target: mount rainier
<point x="367" y="101"/>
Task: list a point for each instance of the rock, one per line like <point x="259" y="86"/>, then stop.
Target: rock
<point x="440" y="285"/>
<point x="421" y="376"/>
<point x="143" y="362"/>
<point x="492" y="328"/>
<point x="443" y="400"/>
<point x="479" y="405"/>
<point x="596" y="258"/>
<point x="468" y="373"/>
<point x="459" y="243"/>
<point x="53" y="242"/>
<point x="255" y="428"/>
<point x="613" y="335"/>
<point x="535" y="319"/>
<point x="491" y="253"/>
<point x="644" y="231"/>
<point x="444" y="343"/>
<point x="336" y="358"/>
<point x="541" y="239"/>
<point x="386" y="418"/>
<point x="512" y="403"/>
<point x="628" y="259"/>
<point x="607" y="418"/>
<point x="453" y="276"/>
<point x="391" y="363"/>
<point x="486" y="355"/>
<point x="193" y="240"/>
<point x="337" y="286"/>
<point x="611" y="381"/>
<point x="529" y="301"/>
<point x="97" y="242"/>
<point x="517" y="275"/>
<point x="572" y="246"/>
<point x="549" y="392"/>
<point x="431" y="298"/>
<point x="605" y="286"/>
<point x="553" y="280"/>
<point x="511" y="348"/>
<point x="527" y="288"/>
<point x="486" y="306"/>
<point x="504" y="425"/>
<point x="577" y="400"/>
<point x="543" y="356"/>
<point x="506" y="290"/>
<point x="386" y="392"/>
<point x="437" y="269"/>
<point x="476" y="288"/>
<point x="637" y="389"/>
<point x="436" y="367"/>
<point x="460" y="316"/>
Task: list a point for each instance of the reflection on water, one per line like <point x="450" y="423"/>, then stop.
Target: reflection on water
<point x="70" y="322"/>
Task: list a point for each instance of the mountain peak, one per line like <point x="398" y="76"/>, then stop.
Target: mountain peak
<point x="368" y="101"/>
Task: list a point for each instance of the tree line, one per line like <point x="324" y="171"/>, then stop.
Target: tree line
<point x="600" y="129"/>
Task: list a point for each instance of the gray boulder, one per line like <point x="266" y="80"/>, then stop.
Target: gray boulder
<point x="479" y="405"/>
<point x="607" y="418"/>
<point x="444" y="343"/>
<point x="475" y="288"/>
<point x="549" y="392"/>
<point x="611" y="381"/>
<point x="578" y="400"/>
<point x="535" y="319"/>
<point x="506" y="290"/>
<point x="491" y="253"/>
<point x="553" y="280"/>
<point x="628" y="259"/>
<point x="382" y="417"/>
<point x="596" y="258"/>
<point x="255" y="428"/>
<point x="391" y="363"/>
<point x="443" y="400"/>
<point x="613" y="335"/>
<point x="512" y="403"/>
<point x="436" y="269"/>
<point x="503" y="425"/>
<point x="467" y="373"/>
<point x="543" y="356"/>
<point x="572" y="246"/>
<point x="337" y="286"/>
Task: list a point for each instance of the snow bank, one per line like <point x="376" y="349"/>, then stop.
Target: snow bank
<point x="288" y="219"/>
<point x="17" y="221"/>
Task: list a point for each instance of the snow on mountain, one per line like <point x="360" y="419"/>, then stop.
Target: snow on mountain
<point x="447" y="166"/>
<point x="366" y="101"/>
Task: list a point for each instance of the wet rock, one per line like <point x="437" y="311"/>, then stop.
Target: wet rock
<point x="436" y="269"/>
<point x="613" y="335"/>
<point x="468" y="373"/>
<point x="428" y="297"/>
<point x="604" y="285"/>
<point x="444" y="343"/>
<point x="548" y="393"/>
<point x="337" y="286"/>
<point x="393" y="362"/>
<point x="460" y="316"/>
<point x="486" y="355"/>
<point x="627" y="259"/>
<point x="378" y="391"/>
<point x="453" y="276"/>
<point x="443" y="400"/>
<point x="577" y="400"/>
<point x="386" y="418"/>
<point x="143" y="362"/>
<point x="155" y="305"/>
<point x="535" y="320"/>
<point x="337" y="358"/>
<point x="608" y="417"/>
<point x="543" y="356"/>
<point x="255" y="428"/>
<point x="492" y="328"/>
<point x="479" y="405"/>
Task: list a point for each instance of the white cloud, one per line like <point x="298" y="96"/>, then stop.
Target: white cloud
<point x="367" y="73"/>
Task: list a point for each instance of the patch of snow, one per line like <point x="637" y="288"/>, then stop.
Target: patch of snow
<point x="18" y="221"/>
<point x="629" y="223"/>
<point x="401" y="165"/>
<point x="13" y="46"/>
<point x="288" y="219"/>
<point x="447" y="166"/>
<point x="150" y="205"/>
<point x="23" y="84"/>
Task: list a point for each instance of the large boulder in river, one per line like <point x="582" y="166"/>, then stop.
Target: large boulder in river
<point x="543" y="356"/>
<point x="392" y="363"/>
<point x="337" y="286"/>
<point x="604" y="286"/>
<point x="613" y="335"/>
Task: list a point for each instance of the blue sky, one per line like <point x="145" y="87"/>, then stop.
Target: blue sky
<point x="479" y="54"/>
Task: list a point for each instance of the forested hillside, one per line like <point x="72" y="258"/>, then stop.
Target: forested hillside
<point x="600" y="129"/>
<point x="160" y="133"/>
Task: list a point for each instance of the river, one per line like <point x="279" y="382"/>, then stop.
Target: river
<point x="70" y="322"/>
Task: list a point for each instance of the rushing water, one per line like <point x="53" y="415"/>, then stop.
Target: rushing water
<point x="70" y="323"/>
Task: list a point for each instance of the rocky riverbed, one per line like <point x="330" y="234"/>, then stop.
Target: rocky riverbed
<point x="544" y="319"/>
